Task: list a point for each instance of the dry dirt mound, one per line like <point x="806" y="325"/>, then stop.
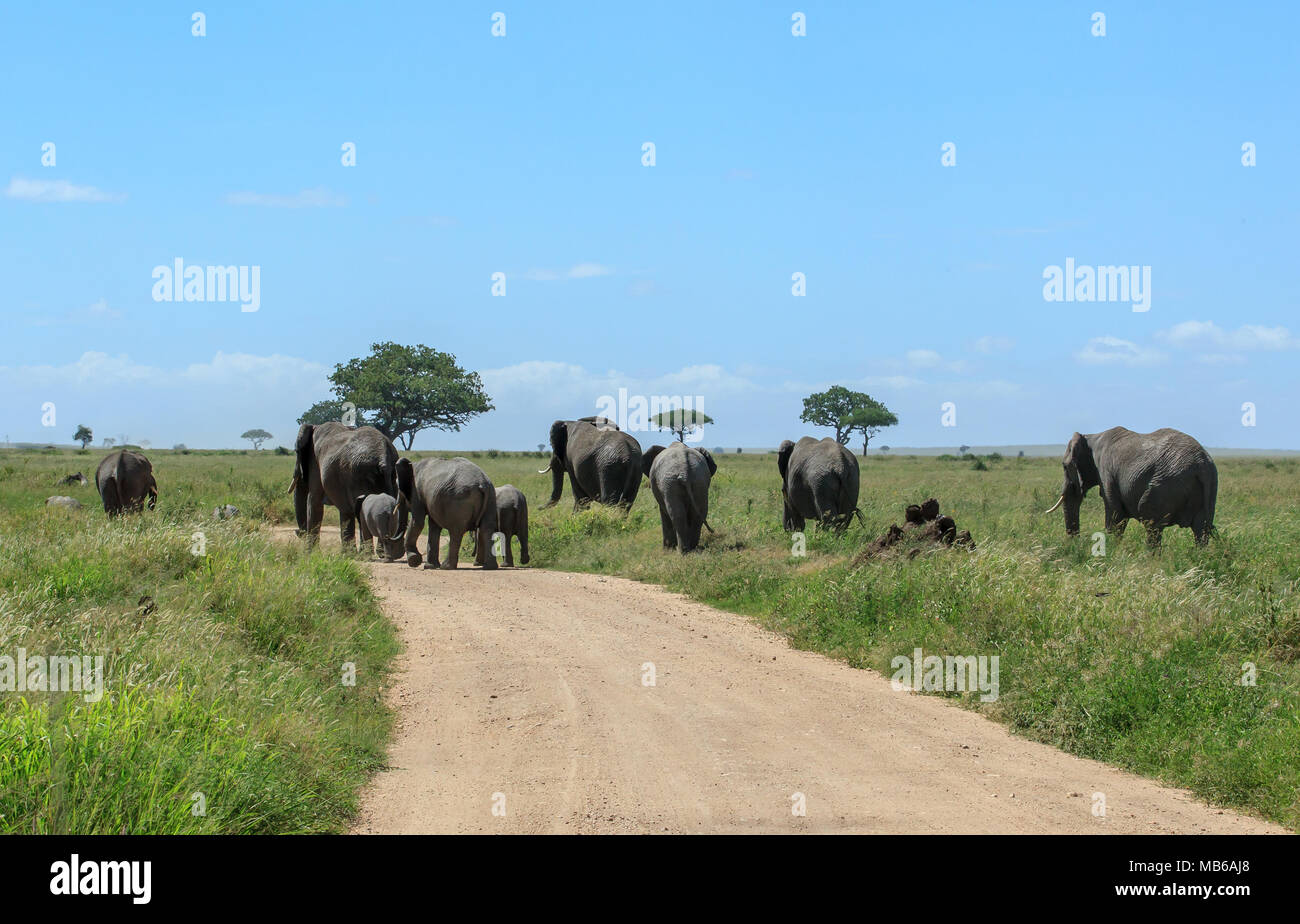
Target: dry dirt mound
<point x="923" y="527"/>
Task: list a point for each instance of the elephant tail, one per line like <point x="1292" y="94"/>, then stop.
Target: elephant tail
<point x="1210" y="489"/>
<point x="695" y="508"/>
<point x="631" y="486"/>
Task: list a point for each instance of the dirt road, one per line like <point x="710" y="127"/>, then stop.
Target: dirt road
<point x="522" y="692"/>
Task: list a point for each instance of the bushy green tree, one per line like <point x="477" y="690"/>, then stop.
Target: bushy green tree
<point x="405" y="389"/>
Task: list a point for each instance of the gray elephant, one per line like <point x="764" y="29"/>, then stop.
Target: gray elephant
<point x="512" y="520"/>
<point x="679" y="478"/>
<point x="1163" y="478"/>
<point x="603" y="463"/>
<point x="125" y="479"/>
<point x="455" y="495"/>
<point x="377" y="516"/>
<point x="335" y="465"/>
<point x="819" y="481"/>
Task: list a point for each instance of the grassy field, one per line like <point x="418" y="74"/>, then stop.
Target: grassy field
<point x="226" y="710"/>
<point x="231" y="686"/>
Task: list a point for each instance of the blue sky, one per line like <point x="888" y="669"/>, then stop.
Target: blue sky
<point x="775" y="154"/>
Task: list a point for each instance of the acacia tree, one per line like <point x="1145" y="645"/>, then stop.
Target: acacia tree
<point x="256" y="437"/>
<point x="83" y="435"/>
<point x="403" y="390"/>
<point x="681" y="420"/>
<point x="869" y="421"/>
<point x="845" y="412"/>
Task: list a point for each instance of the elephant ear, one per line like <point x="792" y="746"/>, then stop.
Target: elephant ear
<point x="1078" y="455"/>
<point x="405" y="479"/>
<point x="708" y="460"/>
<point x="559" y="438"/>
<point x="648" y="459"/>
<point x="783" y="456"/>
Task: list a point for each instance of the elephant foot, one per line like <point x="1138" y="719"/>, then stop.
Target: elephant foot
<point x="445" y="566"/>
<point x="490" y="565"/>
<point x="413" y="559"/>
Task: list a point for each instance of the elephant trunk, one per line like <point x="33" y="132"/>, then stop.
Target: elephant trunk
<point x="403" y="515"/>
<point x="557" y="482"/>
<point x="1072" y="500"/>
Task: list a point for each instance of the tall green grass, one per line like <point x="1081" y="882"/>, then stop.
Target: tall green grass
<point x="225" y="709"/>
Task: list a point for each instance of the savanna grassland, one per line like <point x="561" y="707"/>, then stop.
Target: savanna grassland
<point x="231" y="686"/>
<point x="223" y="670"/>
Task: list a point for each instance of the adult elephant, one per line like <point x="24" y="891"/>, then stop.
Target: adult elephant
<point x="335" y="465"/>
<point x="455" y="495"/>
<point x="603" y="463"/>
<point x="679" y="478"/>
<point x="819" y="481"/>
<point x="125" y="479"/>
<point x="1163" y="478"/>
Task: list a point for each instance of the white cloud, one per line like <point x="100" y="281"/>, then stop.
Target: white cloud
<point x="924" y="359"/>
<point x="587" y="270"/>
<point x="319" y="197"/>
<point x="57" y="191"/>
<point x="578" y="271"/>
<point x="225" y="370"/>
<point x="990" y="344"/>
<point x="1103" y="351"/>
<point x="1206" y="334"/>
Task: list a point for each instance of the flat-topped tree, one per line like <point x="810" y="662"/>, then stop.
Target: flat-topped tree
<point x="405" y="389"/>
<point x="868" y="421"/>
<point x="256" y="437"/>
<point x="84" y="436"/>
<point x="680" y="421"/>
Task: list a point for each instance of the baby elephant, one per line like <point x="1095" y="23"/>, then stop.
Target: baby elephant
<point x="512" y="520"/>
<point x="378" y="517"/>
<point x="679" y="477"/>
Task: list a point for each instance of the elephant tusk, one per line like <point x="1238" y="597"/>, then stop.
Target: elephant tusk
<point x="542" y="471"/>
<point x="1054" y="506"/>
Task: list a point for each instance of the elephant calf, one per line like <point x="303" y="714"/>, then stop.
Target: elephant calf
<point x="679" y="478"/>
<point x="379" y="518"/>
<point x="512" y="520"/>
<point x="455" y="495"/>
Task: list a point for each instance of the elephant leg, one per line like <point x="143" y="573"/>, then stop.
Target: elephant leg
<point x="1200" y="529"/>
<point x="523" y="541"/>
<point x="413" y="530"/>
<point x="680" y="518"/>
<point x="433" y="552"/>
<point x="454" y="538"/>
<point x="483" y="536"/>
<point x="510" y="550"/>
<point x="1154" y="533"/>
<point x="347" y="529"/>
<point x="666" y="524"/>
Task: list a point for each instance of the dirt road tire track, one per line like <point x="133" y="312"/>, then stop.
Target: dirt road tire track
<point x="528" y="683"/>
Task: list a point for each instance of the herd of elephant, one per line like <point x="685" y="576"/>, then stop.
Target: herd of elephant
<point x="1164" y="478"/>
